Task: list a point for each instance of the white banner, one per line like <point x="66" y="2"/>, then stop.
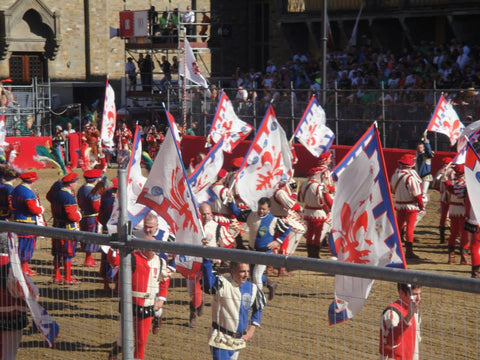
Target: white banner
<point x="109" y="118"/>
<point x="191" y="68"/>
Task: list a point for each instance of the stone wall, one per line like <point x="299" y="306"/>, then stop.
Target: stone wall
<point x="106" y="55"/>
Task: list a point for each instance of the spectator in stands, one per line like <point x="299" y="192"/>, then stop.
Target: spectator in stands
<point x="146" y="70"/>
<point x="167" y="73"/>
<point x="130" y="70"/>
<point x="175" y="65"/>
<point x="203" y="30"/>
<point x="188" y="18"/>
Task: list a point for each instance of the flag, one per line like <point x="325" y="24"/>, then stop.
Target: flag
<point x="472" y="178"/>
<point x="3" y="131"/>
<point x="446" y="121"/>
<point x="268" y="160"/>
<point x="109" y="117"/>
<point x="364" y="229"/>
<point x="470" y="133"/>
<point x="191" y="70"/>
<point x="354" y="152"/>
<point x="205" y="174"/>
<point x="173" y="125"/>
<point x="312" y="132"/>
<point x="353" y="38"/>
<point x="135" y="183"/>
<point x="226" y="123"/>
<point x="43" y="321"/>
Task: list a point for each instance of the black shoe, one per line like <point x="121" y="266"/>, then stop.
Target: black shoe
<point x="271" y="290"/>
<point x="156" y="324"/>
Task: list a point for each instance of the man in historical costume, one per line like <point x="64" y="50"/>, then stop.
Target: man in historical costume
<point x="318" y="199"/>
<point x="150" y="279"/>
<point x="457" y="189"/>
<point x="66" y="215"/>
<point x="233" y="299"/>
<point x="285" y="206"/>
<point x="89" y="204"/>
<point x="266" y="233"/>
<point x="406" y="185"/>
<point x="92" y="138"/>
<point x="8" y="177"/>
<point x="151" y="228"/>
<point x="472" y="230"/>
<point x="445" y="173"/>
<point x="26" y="209"/>
<point x="400" y="325"/>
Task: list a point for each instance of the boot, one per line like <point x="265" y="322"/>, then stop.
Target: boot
<point x="313" y="251"/>
<point x="89" y="261"/>
<point x="193" y="316"/>
<point x="57" y="278"/>
<point x="114" y="352"/>
<point x="451" y="255"/>
<point x="68" y="274"/>
<point x="239" y="242"/>
<point x="465" y="260"/>
<point x="476" y="272"/>
<point x="442" y="234"/>
<point x="272" y="286"/>
<point x="409" y="254"/>
<point x="199" y="310"/>
<point x="156" y="324"/>
<point x="283" y="272"/>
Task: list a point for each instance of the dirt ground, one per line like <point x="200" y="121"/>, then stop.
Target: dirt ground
<point x="294" y="326"/>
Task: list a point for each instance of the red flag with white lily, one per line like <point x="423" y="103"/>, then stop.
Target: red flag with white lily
<point x="268" y="161"/>
<point x="445" y="121"/>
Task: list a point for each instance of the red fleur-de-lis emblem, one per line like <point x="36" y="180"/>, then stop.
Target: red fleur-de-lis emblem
<point x="311" y="131"/>
<point x="178" y="202"/>
<point x="264" y="181"/>
<point x="195" y="68"/>
<point x="347" y="240"/>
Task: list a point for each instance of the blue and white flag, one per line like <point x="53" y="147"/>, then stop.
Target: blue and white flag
<point x="470" y="133"/>
<point x="364" y="228"/>
<point x="44" y="322"/>
<point x="205" y="174"/>
<point x="135" y="183"/>
<point x="472" y="178"/>
<point x="312" y="132"/>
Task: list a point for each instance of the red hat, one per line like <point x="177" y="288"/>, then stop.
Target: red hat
<point x="459" y="169"/>
<point x="324" y="157"/>
<point x="313" y="171"/>
<point x="29" y="176"/>
<point x="70" y="178"/>
<point x="4" y="259"/>
<point x="92" y="174"/>
<point x="446" y="160"/>
<point x="7" y="80"/>
<point x="221" y="174"/>
<point x="115" y="183"/>
<point x="237" y="162"/>
<point x="407" y="160"/>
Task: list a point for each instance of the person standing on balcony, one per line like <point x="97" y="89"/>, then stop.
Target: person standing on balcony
<point x="130" y="70"/>
<point x="188" y="18"/>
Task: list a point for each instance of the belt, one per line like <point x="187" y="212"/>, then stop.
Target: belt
<point x="89" y="215"/>
<point x="233" y="334"/>
<point x="140" y="294"/>
<point x="406" y="202"/>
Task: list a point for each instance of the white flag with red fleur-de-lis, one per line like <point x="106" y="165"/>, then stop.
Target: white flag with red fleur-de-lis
<point x="109" y="118"/>
<point x="268" y="161"/>
<point x="445" y="121"/>
<point x="312" y="131"/>
<point x="190" y="70"/>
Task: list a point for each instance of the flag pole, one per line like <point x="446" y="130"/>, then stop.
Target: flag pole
<point x="184" y="83"/>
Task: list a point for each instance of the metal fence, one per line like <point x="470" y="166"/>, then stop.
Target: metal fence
<point x="294" y="323"/>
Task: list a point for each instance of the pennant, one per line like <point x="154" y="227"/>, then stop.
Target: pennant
<point x="109" y="118"/>
<point x="354" y="152"/>
<point x="268" y="160"/>
<point x="446" y="121"/>
<point x="205" y="174"/>
<point x="227" y="124"/>
<point x="191" y="70"/>
<point x="135" y="183"/>
<point x="364" y="229"/>
<point x="312" y="132"/>
<point x="353" y="38"/>
<point x="43" y="321"/>
<point x="3" y="131"/>
<point x="472" y="178"/>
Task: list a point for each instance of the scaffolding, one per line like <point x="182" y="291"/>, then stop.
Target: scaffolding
<point x="166" y="34"/>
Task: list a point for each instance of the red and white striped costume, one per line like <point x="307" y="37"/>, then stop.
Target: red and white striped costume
<point x="444" y="174"/>
<point x="220" y="210"/>
<point x="150" y="281"/>
<point x="407" y="188"/>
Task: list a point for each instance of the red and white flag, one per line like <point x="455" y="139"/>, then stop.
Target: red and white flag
<point x="227" y="124"/>
<point x="205" y="174"/>
<point x="189" y="67"/>
<point x="445" y="121"/>
<point x="312" y="132"/>
<point x="364" y="229"/>
<point x="268" y="161"/>
<point x="109" y="118"/>
<point x="173" y="125"/>
<point x="3" y="131"/>
<point x="472" y="178"/>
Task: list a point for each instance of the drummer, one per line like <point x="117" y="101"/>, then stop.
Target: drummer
<point x="285" y="206"/>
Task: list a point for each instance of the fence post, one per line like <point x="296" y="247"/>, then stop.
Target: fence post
<point x="125" y="269"/>
<point x="434" y="105"/>
<point x="292" y="107"/>
<point x="336" y="113"/>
